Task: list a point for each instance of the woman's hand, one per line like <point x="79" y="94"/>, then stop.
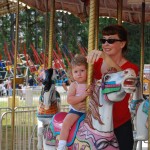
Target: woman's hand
<point x="80" y="106"/>
<point x="94" y="55"/>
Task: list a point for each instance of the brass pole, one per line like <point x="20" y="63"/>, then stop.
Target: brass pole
<point x="91" y="42"/>
<point x="14" y="79"/>
<point x="142" y="50"/>
<point x="51" y="33"/>
<point x="119" y="11"/>
<point x="97" y="25"/>
<point x="46" y="33"/>
<point x="142" y="45"/>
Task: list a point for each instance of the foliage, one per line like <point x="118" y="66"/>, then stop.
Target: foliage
<point x="68" y="31"/>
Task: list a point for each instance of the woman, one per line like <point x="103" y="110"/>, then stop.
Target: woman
<point x="114" y="47"/>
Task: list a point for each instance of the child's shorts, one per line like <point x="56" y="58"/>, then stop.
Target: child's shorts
<point x="76" y="112"/>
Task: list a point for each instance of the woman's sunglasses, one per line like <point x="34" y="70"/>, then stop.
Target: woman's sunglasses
<point x="110" y="41"/>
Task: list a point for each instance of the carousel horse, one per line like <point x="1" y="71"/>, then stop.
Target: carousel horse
<point x="94" y="131"/>
<point x="48" y="105"/>
<point x="139" y="107"/>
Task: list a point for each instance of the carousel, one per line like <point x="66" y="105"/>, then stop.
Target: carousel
<point x="90" y="132"/>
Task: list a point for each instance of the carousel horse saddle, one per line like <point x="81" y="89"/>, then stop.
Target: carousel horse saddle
<point x="57" y="124"/>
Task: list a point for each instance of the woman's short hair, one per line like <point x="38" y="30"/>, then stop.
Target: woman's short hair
<point x="120" y="31"/>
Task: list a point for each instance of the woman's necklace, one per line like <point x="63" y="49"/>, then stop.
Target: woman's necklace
<point x="121" y="61"/>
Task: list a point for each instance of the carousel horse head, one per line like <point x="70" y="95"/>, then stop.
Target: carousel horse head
<point x="115" y="84"/>
<point x="106" y="91"/>
<point x="49" y="94"/>
<point x="130" y="82"/>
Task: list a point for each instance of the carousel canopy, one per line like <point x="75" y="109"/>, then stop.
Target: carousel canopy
<point x="131" y="8"/>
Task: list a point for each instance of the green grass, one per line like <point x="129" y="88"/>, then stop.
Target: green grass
<point x="20" y="140"/>
<point x="3" y="104"/>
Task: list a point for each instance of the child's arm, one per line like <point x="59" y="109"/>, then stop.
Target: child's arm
<point x="71" y="98"/>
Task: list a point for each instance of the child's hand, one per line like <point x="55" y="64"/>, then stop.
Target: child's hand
<point x="80" y="106"/>
<point x="88" y="92"/>
<point x="89" y="89"/>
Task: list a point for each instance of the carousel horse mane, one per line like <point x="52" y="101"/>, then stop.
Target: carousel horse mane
<point x="47" y="81"/>
<point x="93" y="106"/>
<point x="94" y="101"/>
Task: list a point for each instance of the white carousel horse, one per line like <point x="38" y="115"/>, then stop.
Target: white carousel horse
<point x="95" y="130"/>
<point x="48" y="103"/>
<point x="139" y="109"/>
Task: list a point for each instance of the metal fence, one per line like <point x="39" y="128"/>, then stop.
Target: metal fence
<point x="25" y="121"/>
<point x="25" y="135"/>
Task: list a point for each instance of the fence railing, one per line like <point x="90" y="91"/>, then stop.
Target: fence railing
<point x="25" y="135"/>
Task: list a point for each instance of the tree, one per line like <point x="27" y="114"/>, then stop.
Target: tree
<point x="68" y="31"/>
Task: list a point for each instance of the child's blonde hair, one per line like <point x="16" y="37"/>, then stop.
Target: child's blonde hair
<point x="78" y="60"/>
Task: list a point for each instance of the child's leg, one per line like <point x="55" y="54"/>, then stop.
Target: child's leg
<point x="68" y="122"/>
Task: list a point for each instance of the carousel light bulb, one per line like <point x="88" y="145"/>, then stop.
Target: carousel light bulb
<point x="1" y="22"/>
<point x="28" y="7"/>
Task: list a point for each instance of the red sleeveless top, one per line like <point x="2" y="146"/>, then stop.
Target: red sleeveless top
<point x="121" y="112"/>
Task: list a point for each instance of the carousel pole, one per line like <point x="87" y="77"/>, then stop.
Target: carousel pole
<point x="142" y="64"/>
<point x="51" y="33"/>
<point x="142" y="55"/>
<point x="142" y="44"/>
<point x="14" y="79"/>
<point x="46" y="31"/>
<point x="149" y="118"/>
<point x="97" y="25"/>
<point x="91" y="42"/>
<point x="119" y="11"/>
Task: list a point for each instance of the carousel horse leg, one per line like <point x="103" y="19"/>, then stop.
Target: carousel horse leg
<point x="40" y="135"/>
<point x="41" y="123"/>
<point x="139" y="145"/>
<point x="135" y="145"/>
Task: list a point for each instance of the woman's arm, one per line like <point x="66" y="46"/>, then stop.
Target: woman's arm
<point x="94" y="55"/>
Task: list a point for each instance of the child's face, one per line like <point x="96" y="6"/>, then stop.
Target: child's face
<point x="79" y="73"/>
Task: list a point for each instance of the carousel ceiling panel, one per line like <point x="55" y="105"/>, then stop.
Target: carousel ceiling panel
<point x="131" y="8"/>
<point x="9" y="6"/>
